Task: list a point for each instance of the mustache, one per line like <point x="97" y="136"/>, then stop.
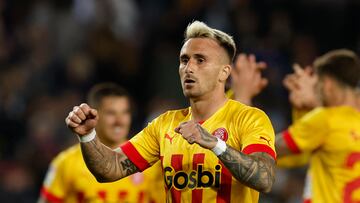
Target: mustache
<point x="189" y="78"/>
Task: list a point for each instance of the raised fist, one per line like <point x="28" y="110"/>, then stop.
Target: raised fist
<point x="82" y="119"/>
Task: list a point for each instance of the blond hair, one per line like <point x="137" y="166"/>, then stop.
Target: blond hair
<point x="199" y="29"/>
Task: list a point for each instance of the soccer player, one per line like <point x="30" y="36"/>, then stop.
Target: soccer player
<point x="330" y="134"/>
<point x="69" y="180"/>
<point x="216" y="150"/>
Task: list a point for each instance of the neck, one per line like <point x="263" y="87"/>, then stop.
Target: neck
<point x="203" y="108"/>
<point x="346" y="97"/>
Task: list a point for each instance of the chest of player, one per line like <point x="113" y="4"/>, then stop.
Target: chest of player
<point x="189" y="166"/>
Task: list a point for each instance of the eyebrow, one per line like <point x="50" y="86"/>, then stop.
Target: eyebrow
<point x="200" y="56"/>
<point x="182" y="56"/>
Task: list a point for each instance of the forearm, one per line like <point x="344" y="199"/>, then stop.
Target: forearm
<point x="105" y="164"/>
<point x="255" y="171"/>
<point x="281" y="147"/>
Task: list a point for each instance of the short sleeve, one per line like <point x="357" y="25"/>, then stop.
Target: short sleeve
<point x="54" y="186"/>
<point x="308" y="133"/>
<point x="293" y="160"/>
<point x="258" y="134"/>
<point x="144" y="149"/>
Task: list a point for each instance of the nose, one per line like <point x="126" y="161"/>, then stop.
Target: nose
<point x="189" y="68"/>
<point x="120" y="119"/>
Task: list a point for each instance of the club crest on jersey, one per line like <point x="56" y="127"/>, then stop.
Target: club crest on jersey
<point x="221" y="133"/>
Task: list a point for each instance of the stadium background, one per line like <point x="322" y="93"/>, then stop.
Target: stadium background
<point x="51" y="52"/>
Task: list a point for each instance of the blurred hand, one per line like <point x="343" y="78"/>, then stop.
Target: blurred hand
<point x="301" y="86"/>
<point x="246" y="79"/>
<point x="82" y="119"/>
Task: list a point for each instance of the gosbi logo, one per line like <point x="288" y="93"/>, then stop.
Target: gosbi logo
<point x="221" y="133"/>
<point x="198" y="178"/>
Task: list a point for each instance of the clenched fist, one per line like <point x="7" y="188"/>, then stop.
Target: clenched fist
<point x="82" y="119"/>
<point x="192" y="132"/>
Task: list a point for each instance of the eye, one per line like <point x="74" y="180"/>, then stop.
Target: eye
<point x="200" y="60"/>
<point x="184" y="60"/>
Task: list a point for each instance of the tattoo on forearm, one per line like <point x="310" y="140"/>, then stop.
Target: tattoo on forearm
<point x="105" y="164"/>
<point x="128" y="167"/>
<point x="255" y="171"/>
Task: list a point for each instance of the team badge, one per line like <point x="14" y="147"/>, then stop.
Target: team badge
<point x="221" y="133"/>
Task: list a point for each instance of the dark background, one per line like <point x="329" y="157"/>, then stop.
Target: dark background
<point x="52" y="51"/>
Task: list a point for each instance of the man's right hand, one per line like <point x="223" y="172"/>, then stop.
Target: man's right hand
<point x="82" y="119"/>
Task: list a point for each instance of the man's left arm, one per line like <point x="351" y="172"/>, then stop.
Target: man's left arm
<point x="255" y="170"/>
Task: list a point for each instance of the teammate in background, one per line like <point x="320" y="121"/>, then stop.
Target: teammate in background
<point x="303" y="97"/>
<point x="217" y="150"/>
<point x="69" y="180"/>
<point x="247" y="82"/>
<point x="330" y="134"/>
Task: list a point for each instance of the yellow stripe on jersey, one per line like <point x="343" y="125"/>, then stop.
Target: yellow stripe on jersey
<point x="195" y="174"/>
<point x="332" y="136"/>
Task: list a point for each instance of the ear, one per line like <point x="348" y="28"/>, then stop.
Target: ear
<point x="328" y="82"/>
<point x="330" y="85"/>
<point x="225" y="73"/>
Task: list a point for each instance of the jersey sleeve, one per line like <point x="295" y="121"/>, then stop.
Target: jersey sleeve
<point x="258" y="134"/>
<point x="293" y="160"/>
<point x="143" y="149"/>
<point x="54" y="186"/>
<point x="308" y="133"/>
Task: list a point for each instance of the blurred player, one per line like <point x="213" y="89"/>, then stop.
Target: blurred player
<point x="69" y="180"/>
<point x="217" y="150"/>
<point x="302" y="96"/>
<point x="330" y="134"/>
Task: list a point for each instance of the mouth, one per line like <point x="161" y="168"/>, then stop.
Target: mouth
<point x="189" y="81"/>
<point x="117" y="130"/>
